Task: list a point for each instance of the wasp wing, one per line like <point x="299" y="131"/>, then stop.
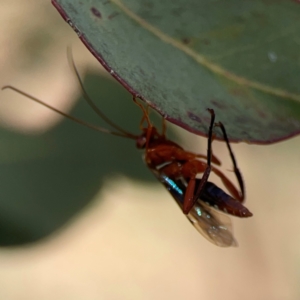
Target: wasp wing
<point x="214" y="226"/>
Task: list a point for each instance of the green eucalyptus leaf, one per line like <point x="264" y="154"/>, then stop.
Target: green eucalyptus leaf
<point x="240" y="58"/>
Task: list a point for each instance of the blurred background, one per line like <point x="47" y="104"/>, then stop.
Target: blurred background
<point x="81" y="217"/>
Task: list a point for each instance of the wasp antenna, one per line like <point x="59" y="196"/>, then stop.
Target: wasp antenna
<point x="99" y="129"/>
<point x="90" y="102"/>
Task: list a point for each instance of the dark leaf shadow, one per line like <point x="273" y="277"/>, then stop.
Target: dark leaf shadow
<point x="47" y="179"/>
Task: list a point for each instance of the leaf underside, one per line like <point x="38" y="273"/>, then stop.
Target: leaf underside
<point x="241" y="59"/>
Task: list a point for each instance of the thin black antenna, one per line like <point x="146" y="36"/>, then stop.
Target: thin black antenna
<point x="99" y="129"/>
<point x="90" y="102"/>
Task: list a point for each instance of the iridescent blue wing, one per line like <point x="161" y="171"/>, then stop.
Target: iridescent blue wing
<point x="213" y="225"/>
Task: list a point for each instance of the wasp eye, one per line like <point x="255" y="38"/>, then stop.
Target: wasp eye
<point x="141" y="142"/>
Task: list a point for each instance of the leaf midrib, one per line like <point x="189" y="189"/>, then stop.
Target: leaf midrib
<point x="200" y="59"/>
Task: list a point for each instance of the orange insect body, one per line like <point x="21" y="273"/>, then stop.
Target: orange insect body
<point x="175" y="162"/>
<point x="178" y="169"/>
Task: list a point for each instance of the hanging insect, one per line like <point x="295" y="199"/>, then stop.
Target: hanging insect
<point x="201" y="200"/>
<point x="176" y="169"/>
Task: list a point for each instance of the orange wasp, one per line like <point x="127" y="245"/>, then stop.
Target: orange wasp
<point x="178" y="170"/>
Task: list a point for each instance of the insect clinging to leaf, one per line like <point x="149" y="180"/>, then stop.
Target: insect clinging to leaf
<point x="204" y="203"/>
